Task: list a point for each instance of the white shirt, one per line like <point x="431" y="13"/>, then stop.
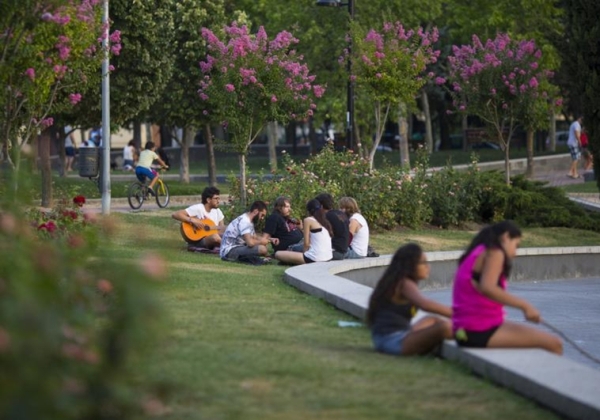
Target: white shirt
<point x="128" y="153"/>
<point x="320" y="244"/>
<point x="234" y="234"/>
<point x="68" y="138"/>
<point x="360" y="239"/>
<point x="575" y="126"/>
<point x="199" y="211"/>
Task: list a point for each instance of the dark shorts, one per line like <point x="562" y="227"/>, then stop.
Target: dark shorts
<point x="307" y="260"/>
<point x="70" y="151"/>
<point x="477" y="339"/>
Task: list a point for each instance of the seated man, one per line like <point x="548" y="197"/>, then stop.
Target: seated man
<point x="197" y="215"/>
<point x="240" y="238"/>
<point x="359" y="229"/>
<point x="279" y="225"/>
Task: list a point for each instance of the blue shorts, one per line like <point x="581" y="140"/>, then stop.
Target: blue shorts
<point x="575" y="152"/>
<point x="390" y="343"/>
<point x="143" y="173"/>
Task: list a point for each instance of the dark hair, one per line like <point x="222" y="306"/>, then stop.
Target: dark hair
<point x="149" y="145"/>
<point x="489" y="237"/>
<point x="131" y="143"/>
<point x="209" y="192"/>
<point x="316" y="210"/>
<point x="258" y="205"/>
<point x="326" y="201"/>
<point x="280" y="203"/>
<point x="403" y="266"/>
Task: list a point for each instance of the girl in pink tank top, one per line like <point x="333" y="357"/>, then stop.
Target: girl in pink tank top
<point x="479" y="295"/>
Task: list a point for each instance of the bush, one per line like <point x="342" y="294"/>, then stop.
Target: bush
<point x="390" y="196"/>
<point x="71" y="317"/>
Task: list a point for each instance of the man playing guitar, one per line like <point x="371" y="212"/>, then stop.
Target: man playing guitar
<point x="203" y="224"/>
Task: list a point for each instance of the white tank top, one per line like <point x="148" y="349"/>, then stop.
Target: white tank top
<point x="320" y="244"/>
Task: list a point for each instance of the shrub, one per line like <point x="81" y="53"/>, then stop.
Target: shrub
<point x="71" y="317"/>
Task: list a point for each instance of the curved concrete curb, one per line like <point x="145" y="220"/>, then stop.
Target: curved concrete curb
<point x="558" y="383"/>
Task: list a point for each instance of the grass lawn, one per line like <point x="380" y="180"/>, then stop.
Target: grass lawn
<point x="240" y="343"/>
<point x="586" y="187"/>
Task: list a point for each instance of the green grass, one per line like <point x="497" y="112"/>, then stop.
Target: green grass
<point x="240" y="343"/>
<point x="586" y="187"/>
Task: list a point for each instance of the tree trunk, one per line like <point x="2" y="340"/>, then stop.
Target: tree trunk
<point x="272" y="138"/>
<point x="137" y="135"/>
<point x="428" y="129"/>
<point x="529" y="170"/>
<point x="184" y="167"/>
<point x="507" y="163"/>
<point x="59" y="141"/>
<point x="465" y="126"/>
<point x="44" y="152"/>
<point x="552" y="131"/>
<point x="210" y="155"/>
<point x="403" y="131"/>
<point x="243" y="196"/>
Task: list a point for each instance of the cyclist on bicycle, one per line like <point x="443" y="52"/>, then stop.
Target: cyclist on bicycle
<point x="143" y="168"/>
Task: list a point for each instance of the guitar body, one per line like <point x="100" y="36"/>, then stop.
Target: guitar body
<point x="191" y="233"/>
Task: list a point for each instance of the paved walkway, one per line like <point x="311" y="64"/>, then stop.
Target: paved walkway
<point x="569" y="305"/>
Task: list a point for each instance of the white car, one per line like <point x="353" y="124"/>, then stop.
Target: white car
<point x="561" y="138"/>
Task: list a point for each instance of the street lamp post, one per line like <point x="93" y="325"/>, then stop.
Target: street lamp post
<point x="350" y="85"/>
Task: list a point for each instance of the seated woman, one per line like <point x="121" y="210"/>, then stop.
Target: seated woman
<point x="394" y="302"/>
<point x="479" y="295"/>
<point x="317" y="238"/>
<point x="359" y="229"/>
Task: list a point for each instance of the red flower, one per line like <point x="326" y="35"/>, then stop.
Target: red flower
<point x="50" y="226"/>
<point x="79" y="200"/>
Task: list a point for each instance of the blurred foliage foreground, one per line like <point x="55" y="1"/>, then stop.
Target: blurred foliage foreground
<point x="73" y="318"/>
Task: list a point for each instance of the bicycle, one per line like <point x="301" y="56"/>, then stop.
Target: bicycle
<point x="139" y="192"/>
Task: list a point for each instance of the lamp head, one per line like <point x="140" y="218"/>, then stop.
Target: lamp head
<point x="334" y="3"/>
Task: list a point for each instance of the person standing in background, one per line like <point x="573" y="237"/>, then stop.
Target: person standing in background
<point x="574" y="144"/>
<point x="70" y="148"/>
<point x="587" y="156"/>
<point x="129" y="153"/>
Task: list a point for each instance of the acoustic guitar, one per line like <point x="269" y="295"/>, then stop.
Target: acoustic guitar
<point x="192" y="233"/>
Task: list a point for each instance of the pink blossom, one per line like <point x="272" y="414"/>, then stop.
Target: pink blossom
<point x="440" y="80"/>
<point x="273" y="98"/>
<point x="378" y="75"/>
<point x="558" y="102"/>
<point x="111" y="67"/>
<point x="230" y="87"/>
<point x="30" y="72"/>
<point x="74" y="98"/>
<point x="533" y="83"/>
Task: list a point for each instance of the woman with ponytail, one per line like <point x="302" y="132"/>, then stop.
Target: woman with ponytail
<point x="317" y="238"/>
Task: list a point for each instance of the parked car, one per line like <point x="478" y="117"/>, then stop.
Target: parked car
<point x="561" y="138"/>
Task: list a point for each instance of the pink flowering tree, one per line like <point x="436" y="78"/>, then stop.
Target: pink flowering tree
<point x="250" y="80"/>
<point x="388" y="67"/>
<point x="51" y="54"/>
<point x="502" y="83"/>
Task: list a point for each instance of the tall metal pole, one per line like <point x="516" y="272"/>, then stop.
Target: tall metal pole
<point x="105" y="116"/>
<point x="350" y="100"/>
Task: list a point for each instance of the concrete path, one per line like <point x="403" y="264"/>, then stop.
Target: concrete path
<point x="572" y="306"/>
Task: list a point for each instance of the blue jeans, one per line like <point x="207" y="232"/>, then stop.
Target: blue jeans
<point x="390" y="343"/>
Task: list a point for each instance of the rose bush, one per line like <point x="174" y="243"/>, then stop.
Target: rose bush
<point x="71" y="319"/>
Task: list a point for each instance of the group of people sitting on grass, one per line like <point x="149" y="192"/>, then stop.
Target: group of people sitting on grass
<point x="325" y="234"/>
<point x="476" y="317"/>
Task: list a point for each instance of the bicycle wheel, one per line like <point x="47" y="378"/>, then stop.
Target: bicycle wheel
<point x="136" y="195"/>
<point x="162" y="194"/>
